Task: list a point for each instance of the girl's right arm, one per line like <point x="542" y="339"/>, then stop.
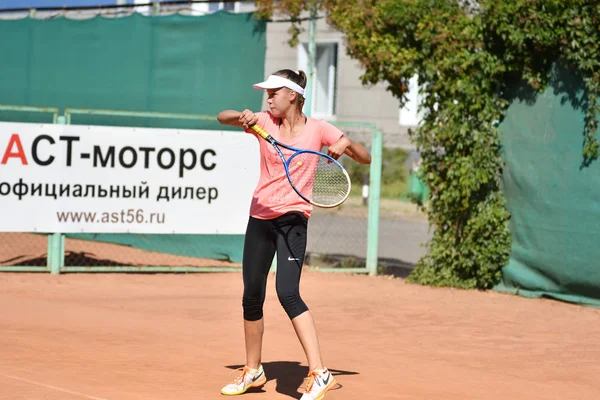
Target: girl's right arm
<point x="245" y="119"/>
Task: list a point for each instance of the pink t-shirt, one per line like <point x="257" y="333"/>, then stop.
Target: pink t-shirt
<point x="274" y="195"/>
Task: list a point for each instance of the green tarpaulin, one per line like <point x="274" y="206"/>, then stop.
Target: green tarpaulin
<point x="553" y="199"/>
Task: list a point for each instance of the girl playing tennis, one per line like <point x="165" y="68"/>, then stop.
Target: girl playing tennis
<point x="278" y="223"/>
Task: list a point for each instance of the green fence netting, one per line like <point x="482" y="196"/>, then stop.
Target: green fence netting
<point x="554" y="201"/>
<point x="175" y="64"/>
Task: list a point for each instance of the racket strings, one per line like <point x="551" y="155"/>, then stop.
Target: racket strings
<point x="318" y="179"/>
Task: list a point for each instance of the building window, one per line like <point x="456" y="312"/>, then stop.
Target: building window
<point x="199" y="8"/>
<point x="410" y="114"/>
<point x="324" y="82"/>
<point x="228" y="6"/>
<point x="207" y="8"/>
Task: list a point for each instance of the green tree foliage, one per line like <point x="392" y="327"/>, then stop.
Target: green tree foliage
<point x="464" y="53"/>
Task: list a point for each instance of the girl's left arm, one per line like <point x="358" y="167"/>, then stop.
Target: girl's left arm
<point x="351" y="148"/>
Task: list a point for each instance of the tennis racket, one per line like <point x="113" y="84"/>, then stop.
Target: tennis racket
<point x="318" y="178"/>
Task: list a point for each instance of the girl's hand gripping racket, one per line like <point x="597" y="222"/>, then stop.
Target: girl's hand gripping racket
<point x="316" y="177"/>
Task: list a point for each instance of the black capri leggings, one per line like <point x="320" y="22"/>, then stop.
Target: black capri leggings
<point x="286" y="235"/>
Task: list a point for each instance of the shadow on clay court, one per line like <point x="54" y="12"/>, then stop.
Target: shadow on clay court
<point x="289" y="376"/>
<point x="386" y="266"/>
<point x="71" y="258"/>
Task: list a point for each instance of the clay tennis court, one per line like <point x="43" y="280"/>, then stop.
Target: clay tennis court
<point x="167" y="336"/>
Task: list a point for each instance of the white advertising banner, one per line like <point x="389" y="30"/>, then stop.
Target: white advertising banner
<point x="74" y="178"/>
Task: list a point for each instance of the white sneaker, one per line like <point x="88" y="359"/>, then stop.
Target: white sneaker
<point x="250" y="378"/>
<point x="319" y="382"/>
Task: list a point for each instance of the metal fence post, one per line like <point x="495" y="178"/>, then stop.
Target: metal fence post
<point x="374" y="198"/>
<point x="274" y="263"/>
<point x="56" y="241"/>
<point x="156" y="8"/>
<point x="312" y="56"/>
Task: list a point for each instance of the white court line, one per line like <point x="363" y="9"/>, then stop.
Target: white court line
<point x="52" y="387"/>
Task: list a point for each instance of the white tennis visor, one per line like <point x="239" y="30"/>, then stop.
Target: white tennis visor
<point x="276" y="81"/>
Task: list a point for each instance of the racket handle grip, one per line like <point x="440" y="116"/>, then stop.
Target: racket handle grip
<point x="260" y="131"/>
